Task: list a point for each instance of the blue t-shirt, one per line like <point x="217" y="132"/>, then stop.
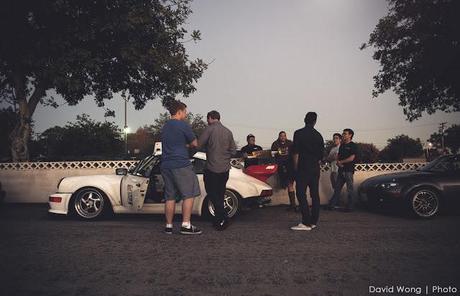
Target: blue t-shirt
<point x="175" y="134"/>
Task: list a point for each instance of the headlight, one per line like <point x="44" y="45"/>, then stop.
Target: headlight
<point x="392" y="186"/>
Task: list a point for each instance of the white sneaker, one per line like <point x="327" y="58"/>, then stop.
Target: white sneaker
<point x="313" y="226"/>
<point x="301" y="227"/>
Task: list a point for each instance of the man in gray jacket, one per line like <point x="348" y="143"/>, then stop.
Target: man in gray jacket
<point x="217" y="141"/>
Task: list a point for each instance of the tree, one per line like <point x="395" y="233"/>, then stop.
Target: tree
<point x="145" y="137"/>
<point x="367" y="153"/>
<point x="84" y="139"/>
<point x="417" y="46"/>
<point x="195" y="120"/>
<point x="142" y="141"/>
<point x="81" y="48"/>
<point x="8" y="120"/>
<point x="400" y="147"/>
<point x="451" y="138"/>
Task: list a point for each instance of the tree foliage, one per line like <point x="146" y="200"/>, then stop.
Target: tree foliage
<point x="368" y="153"/>
<point x="451" y="138"/>
<point x="417" y="45"/>
<point x="145" y="137"/>
<point x="197" y="122"/>
<point x="400" y="147"/>
<point x="84" y="139"/>
<point x="8" y="120"/>
<point x="81" y="48"/>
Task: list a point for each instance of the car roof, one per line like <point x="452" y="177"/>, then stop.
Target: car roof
<point x="199" y="155"/>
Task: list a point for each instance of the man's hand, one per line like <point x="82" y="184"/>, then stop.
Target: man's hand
<point x="193" y="144"/>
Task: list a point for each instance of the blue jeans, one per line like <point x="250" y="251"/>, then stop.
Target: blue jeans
<point x="342" y="179"/>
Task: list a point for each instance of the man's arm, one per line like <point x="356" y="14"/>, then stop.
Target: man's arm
<point x="193" y="144"/>
<point x="332" y="156"/>
<point x="204" y="138"/>
<point x="321" y="148"/>
<point x="295" y="151"/>
<point x="346" y="160"/>
<point x="189" y="136"/>
<point x="232" y="147"/>
<point x="295" y="159"/>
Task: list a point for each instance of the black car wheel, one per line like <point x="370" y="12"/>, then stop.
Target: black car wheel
<point x="231" y="204"/>
<point x="425" y="203"/>
<point x="90" y="204"/>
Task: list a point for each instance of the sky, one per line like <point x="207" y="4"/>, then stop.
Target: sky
<point x="271" y="62"/>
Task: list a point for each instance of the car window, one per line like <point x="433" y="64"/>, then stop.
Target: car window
<point x="147" y="166"/>
<point x="198" y="165"/>
<point x="438" y="165"/>
<point x="456" y="164"/>
<point x="153" y="167"/>
<point x="444" y="164"/>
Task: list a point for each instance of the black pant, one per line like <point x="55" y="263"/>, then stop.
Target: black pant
<point x="303" y="180"/>
<point x="215" y="185"/>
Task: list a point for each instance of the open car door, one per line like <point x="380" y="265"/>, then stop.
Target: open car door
<point x="135" y="184"/>
<point x="133" y="189"/>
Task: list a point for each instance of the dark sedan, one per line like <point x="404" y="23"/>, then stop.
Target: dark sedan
<point x="425" y="191"/>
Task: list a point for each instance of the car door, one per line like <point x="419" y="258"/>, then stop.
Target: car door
<point x="134" y="185"/>
<point x="133" y="189"/>
<point x="198" y="167"/>
<point x="451" y="180"/>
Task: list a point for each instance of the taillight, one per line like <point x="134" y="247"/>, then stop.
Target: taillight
<point x="55" y="199"/>
<point x="266" y="193"/>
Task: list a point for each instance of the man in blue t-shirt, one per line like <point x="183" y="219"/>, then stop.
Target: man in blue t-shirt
<point x="181" y="182"/>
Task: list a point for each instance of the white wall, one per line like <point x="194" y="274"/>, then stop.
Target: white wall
<point x="34" y="185"/>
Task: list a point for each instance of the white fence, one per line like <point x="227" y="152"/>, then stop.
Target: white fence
<point x="32" y="182"/>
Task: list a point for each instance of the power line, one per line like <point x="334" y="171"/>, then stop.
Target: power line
<point x="356" y="130"/>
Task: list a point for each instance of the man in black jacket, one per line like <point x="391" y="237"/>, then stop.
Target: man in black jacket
<point x="307" y="155"/>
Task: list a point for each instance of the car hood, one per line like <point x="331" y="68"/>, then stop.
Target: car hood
<point x="69" y="183"/>
<point x="394" y="177"/>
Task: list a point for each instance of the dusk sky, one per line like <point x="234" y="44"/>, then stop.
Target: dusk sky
<point x="273" y="61"/>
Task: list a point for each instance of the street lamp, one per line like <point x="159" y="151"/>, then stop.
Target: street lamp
<point x="428" y="147"/>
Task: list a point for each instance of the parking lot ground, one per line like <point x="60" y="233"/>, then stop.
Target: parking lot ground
<point x="256" y="255"/>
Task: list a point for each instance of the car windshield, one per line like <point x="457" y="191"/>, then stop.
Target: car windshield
<point x="440" y="164"/>
<point x="144" y="165"/>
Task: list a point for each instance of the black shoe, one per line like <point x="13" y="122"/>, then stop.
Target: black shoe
<point x="192" y="230"/>
<point x="168" y="230"/>
<point x="221" y="224"/>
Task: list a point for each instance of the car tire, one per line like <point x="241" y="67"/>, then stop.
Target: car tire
<point x="232" y="204"/>
<point x="90" y="204"/>
<point x="424" y="202"/>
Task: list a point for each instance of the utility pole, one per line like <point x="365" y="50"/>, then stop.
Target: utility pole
<point x="126" y="128"/>
<point x="441" y="129"/>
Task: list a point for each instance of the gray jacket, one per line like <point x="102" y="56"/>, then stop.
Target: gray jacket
<point x="217" y="141"/>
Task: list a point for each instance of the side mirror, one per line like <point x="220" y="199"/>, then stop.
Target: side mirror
<point x="121" y="171"/>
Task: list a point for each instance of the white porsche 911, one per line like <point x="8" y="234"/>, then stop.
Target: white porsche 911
<point x="140" y="190"/>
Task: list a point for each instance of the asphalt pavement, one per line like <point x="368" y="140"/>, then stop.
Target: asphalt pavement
<point x="354" y="253"/>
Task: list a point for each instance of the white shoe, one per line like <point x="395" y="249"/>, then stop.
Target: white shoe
<point x="313" y="226"/>
<point x="301" y="227"/>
